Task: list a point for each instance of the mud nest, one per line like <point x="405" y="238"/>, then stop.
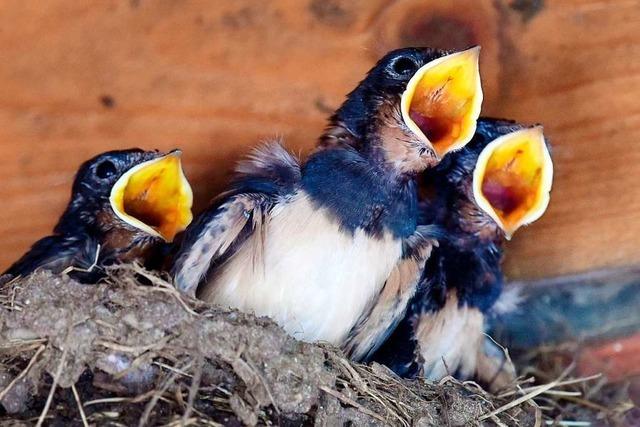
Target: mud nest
<point x="133" y="351"/>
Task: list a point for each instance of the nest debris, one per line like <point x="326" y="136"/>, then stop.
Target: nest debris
<point x="134" y="351"/>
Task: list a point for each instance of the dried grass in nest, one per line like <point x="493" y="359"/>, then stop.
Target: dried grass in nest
<point x="134" y="351"/>
<point x="593" y="401"/>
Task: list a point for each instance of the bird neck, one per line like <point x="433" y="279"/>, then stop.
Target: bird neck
<point x="359" y="192"/>
<point x="470" y="223"/>
<point x="91" y="217"/>
<point x="350" y="121"/>
<point x="375" y="143"/>
<point x="78" y="218"/>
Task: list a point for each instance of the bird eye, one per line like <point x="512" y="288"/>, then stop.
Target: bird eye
<point x="404" y="65"/>
<point x="105" y="169"/>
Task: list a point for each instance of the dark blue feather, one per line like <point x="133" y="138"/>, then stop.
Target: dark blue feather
<point x="359" y="195"/>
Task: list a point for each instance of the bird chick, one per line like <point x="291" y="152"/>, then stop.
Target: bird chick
<point x="331" y="249"/>
<point x="124" y="206"/>
<point x="481" y="195"/>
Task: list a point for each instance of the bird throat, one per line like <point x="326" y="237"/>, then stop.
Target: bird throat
<point x="359" y="194"/>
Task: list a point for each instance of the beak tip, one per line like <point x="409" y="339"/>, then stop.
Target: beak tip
<point x="474" y="52"/>
<point x="538" y="129"/>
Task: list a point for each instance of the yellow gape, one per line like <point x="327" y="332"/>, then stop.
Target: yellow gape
<point x="155" y="197"/>
<point x="513" y="178"/>
<point x="443" y="99"/>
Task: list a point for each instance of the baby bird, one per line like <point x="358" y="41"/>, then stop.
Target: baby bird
<point x="331" y="249"/>
<point x="500" y="181"/>
<point x="124" y="206"/>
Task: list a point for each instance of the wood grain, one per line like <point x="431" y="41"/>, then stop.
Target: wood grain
<point x="214" y="77"/>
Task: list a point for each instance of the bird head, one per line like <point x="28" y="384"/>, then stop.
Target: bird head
<point x="414" y="106"/>
<point x="143" y="190"/>
<point x="513" y="177"/>
<point x="505" y="173"/>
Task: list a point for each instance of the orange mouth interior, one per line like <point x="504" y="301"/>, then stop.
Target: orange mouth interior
<point x="510" y="188"/>
<point x="514" y="173"/>
<point x="438" y="114"/>
<point x="155" y="196"/>
<point x="443" y="103"/>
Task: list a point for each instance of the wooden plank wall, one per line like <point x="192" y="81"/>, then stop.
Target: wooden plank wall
<point x="215" y="77"/>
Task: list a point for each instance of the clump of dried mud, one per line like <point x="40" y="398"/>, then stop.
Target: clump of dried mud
<point x="133" y="351"/>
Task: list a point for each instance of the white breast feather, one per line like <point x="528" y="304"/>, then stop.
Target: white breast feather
<point x="450" y="340"/>
<point x="302" y="271"/>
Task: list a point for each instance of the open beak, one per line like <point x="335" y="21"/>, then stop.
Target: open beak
<point x="442" y="101"/>
<point x="513" y="177"/>
<point x="155" y="197"/>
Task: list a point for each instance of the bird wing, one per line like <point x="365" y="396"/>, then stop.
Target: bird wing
<point x="268" y="175"/>
<point x="215" y="237"/>
<point x="374" y="327"/>
<point x="59" y="253"/>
